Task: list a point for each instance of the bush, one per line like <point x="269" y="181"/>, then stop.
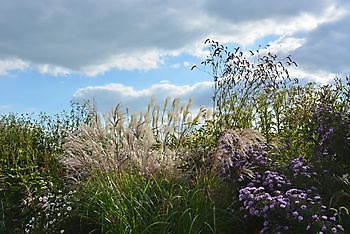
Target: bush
<point x="29" y="150"/>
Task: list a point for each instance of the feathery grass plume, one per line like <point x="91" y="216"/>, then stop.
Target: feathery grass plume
<point x="115" y="140"/>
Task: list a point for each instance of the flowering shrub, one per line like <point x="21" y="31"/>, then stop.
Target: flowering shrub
<point x="332" y="132"/>
<point x="242" y="151"/>
<point x="300" y="168"/>
<point x="275" y="198"/>
<point x="51" y="209"/>
<point x="296" y="210"/>
<point x="331" y="158"/>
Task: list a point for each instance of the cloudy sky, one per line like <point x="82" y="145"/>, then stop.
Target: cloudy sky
<point x="112" y="51"/>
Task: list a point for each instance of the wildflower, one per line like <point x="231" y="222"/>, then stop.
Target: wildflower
<point x="324" y="228"/>
<point x="265" y="209"/>
<point x="340" y="227"/>
<point x="315" y="217"/>
<point x="295" y="213"/>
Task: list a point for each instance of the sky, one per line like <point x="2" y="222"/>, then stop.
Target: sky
<point x="56" y="52"/>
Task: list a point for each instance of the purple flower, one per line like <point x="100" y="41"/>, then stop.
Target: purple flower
<point x="265" y="209"/>
<point x="315" y="217"/>
<point x="299" y="167"/>
<point x="340" y="227"/>
<point x="324" y="228"/>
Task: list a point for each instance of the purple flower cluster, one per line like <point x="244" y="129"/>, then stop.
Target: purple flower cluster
<point x="273" y="180"/>
<point x="292" y="209"/>
<point x="324" y="132"/>
<point x="273" y="197"/>
<point x="327" y="134"/>
<point x="239" y="159"/>
<point x="332" y="130"/>
<point x="300" y="168"/>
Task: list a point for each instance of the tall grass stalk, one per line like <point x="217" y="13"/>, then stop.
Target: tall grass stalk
<point x="147" y="141"/>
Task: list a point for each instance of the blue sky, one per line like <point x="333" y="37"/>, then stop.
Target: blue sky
<point x="127" y="51"/>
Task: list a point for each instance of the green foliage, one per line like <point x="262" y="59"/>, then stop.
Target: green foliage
<point x="25" y="159"/>
<point x="200" y="147"/>
<point x="131" y="203"/>
<point x="29" y="149"/>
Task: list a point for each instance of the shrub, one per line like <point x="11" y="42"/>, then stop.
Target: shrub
<point x="275" y="200"/>
<point x="29" y="149"/>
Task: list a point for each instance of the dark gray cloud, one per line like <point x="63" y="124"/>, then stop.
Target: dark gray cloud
<point x="252" y="10"/>
<point x="73" y="34"/>
<point x="326" y="48"/>
<point x="94" y="36"/>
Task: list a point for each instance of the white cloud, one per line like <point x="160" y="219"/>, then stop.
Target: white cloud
<point x="286" y="45"/>
<point x="322" y="77"/>
<point x="8" y="65"/>
<point x="141" y="61"/>
<point x="96" y="36"/>
<point x="52" y="70"/>
<point x="107" y="96"/>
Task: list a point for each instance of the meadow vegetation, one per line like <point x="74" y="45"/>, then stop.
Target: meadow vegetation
<point x="271" y="156"/>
